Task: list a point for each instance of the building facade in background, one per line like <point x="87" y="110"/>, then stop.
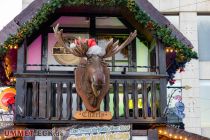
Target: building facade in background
<point x="192" y="18"/>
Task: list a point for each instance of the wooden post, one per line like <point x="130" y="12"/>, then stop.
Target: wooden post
<point x="69" y="100"/>
<point x="59" y="101"/>
<point x="20" y="98"/>
<point x="125" y="99"/>
<point x="20" y="83"/>
<point x="49" y="99"/>
<point x="153" y="106"/>
<point x="116" y="100"/>
<point x="79" y="103"/>
<point x="145" y="100"/>
<point x="35" y="99"/>
<point x="106" y="102"/>
<point x="42" y="98"/>
<point x="135" y="100"/>
<point x="163" y="82"/>
<point x="28" y="98"/>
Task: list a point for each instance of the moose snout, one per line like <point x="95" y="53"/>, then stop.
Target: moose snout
<point x="98" y="81"/>
<point x="98" y="86"/>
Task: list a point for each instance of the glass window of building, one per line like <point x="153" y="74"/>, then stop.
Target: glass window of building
<point x="204" y="37"/>
<point x="204" y="102"/>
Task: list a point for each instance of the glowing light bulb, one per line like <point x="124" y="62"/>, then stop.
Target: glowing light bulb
<point x="180" y="137"/>
<point x="160" y="131"/>
<point x="165" y="132"/>
<point x="11" y="79"/>
<point x="170" y="135"/>
<point x="175" y="137"/>
<point x="171" y="50"/>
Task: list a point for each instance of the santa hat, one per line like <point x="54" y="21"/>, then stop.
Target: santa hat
<point x="93" y="48"/>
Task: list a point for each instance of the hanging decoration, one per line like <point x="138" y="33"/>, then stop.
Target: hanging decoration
<point x="7" y="98"/>
<point x="183" y="53"/>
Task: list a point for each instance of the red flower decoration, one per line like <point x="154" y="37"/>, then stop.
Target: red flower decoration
<point x="172" y="81"/>
<point x="181" y="69"/>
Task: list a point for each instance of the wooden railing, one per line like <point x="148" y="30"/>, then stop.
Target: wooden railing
<point x="52" y="98"/>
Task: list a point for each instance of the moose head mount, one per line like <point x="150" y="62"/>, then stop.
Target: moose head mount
<point x="92" y="75"/>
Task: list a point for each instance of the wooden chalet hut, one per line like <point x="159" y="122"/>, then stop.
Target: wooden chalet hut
<point x="44" y="72"/>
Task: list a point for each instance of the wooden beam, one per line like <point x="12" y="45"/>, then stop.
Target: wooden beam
<point x="128" y="16"/>
<point x="87" y="30"/>
<point x="21" y="58"/>
<point x="89" y="11"/>
<point x="44" y="50"/>
<point x="163" y="82"/>
<point x="42" y="28"/>
<point x="139" y="132"/>
<point x="92" y="27"/>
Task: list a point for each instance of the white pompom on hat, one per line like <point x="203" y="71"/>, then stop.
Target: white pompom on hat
<point x="93" y="48"/>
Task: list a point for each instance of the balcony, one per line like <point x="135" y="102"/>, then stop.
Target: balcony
<point x="50" y="98"/>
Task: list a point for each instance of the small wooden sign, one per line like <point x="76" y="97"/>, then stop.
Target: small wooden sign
<point x="98" y="115"/>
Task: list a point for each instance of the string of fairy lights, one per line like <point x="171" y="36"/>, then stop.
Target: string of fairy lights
<point x="167" y="133"/>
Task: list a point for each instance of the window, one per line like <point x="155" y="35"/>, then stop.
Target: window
<point x="109" y="22"/>
<point x="204" y="102"/>
<point x="34" y="54"/>
<point x="136" y="57"/>
<point x="69" y="21"/>
<point x="120" y="59"/>
<point x="204" y="37"/>
<point x="55" y="61"/>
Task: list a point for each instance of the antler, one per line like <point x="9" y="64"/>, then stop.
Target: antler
<point x="80" y="49"/>
<point x="113" y="48"/>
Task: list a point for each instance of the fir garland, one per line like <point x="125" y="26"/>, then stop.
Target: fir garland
<point x="184" y="53"/>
